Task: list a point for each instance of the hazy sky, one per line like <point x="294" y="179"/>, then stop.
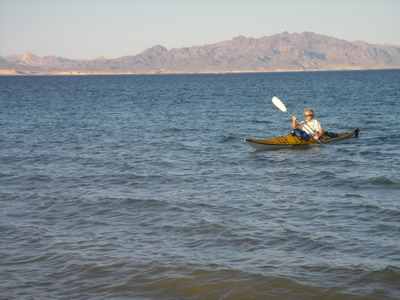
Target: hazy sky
<point x="114" y="28"/>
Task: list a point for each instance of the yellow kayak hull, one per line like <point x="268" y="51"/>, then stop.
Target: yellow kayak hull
<point x="293" y="141"/>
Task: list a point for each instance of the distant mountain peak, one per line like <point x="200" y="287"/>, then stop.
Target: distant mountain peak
<point x="155" y="50"/>
<point x="27" y="56"/>
<point x="240" y="38"/>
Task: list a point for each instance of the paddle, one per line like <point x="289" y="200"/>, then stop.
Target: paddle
<point x="279" y="104"/>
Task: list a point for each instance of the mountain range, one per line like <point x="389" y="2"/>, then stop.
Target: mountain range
<point x="305" y="51"/>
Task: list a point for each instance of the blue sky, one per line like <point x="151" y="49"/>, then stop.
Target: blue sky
<point x="114" y="28"/>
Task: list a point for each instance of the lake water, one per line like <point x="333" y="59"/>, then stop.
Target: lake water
<point x="141" y="187"/>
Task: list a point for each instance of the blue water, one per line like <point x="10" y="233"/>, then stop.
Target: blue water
<point x="141" y="187"/>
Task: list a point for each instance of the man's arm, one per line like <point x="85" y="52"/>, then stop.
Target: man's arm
<point x="294" y="123"/>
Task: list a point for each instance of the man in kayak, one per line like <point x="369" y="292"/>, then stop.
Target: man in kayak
<point x="310" y="125"/>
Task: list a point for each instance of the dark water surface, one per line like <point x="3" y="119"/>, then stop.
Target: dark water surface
<point x="140" y="187"/>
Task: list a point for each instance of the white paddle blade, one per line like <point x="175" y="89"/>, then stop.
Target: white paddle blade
<point x="279" y="104"/>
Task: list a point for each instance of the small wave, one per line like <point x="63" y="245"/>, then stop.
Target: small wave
<point x="368" y="183"/>
<point x="261" y="122"/>
<point x="380" y="181"/>
<point x="379" y="212"/>
<point x="203" y="283"/>
<point x="39" y="178"/>
<point x="347" y="195"/>
<point x="180" y="130"/>
<point x="145" y="202"/>
<point x="382" y="283"/>
<point x="327" y="175"/>
<point x="228" y="138"/>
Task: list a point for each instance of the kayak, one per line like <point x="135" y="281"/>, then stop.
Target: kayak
<point x="294" y="141"/>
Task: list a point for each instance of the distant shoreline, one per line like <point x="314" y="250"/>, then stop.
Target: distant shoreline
<point x="77" y="73"/>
